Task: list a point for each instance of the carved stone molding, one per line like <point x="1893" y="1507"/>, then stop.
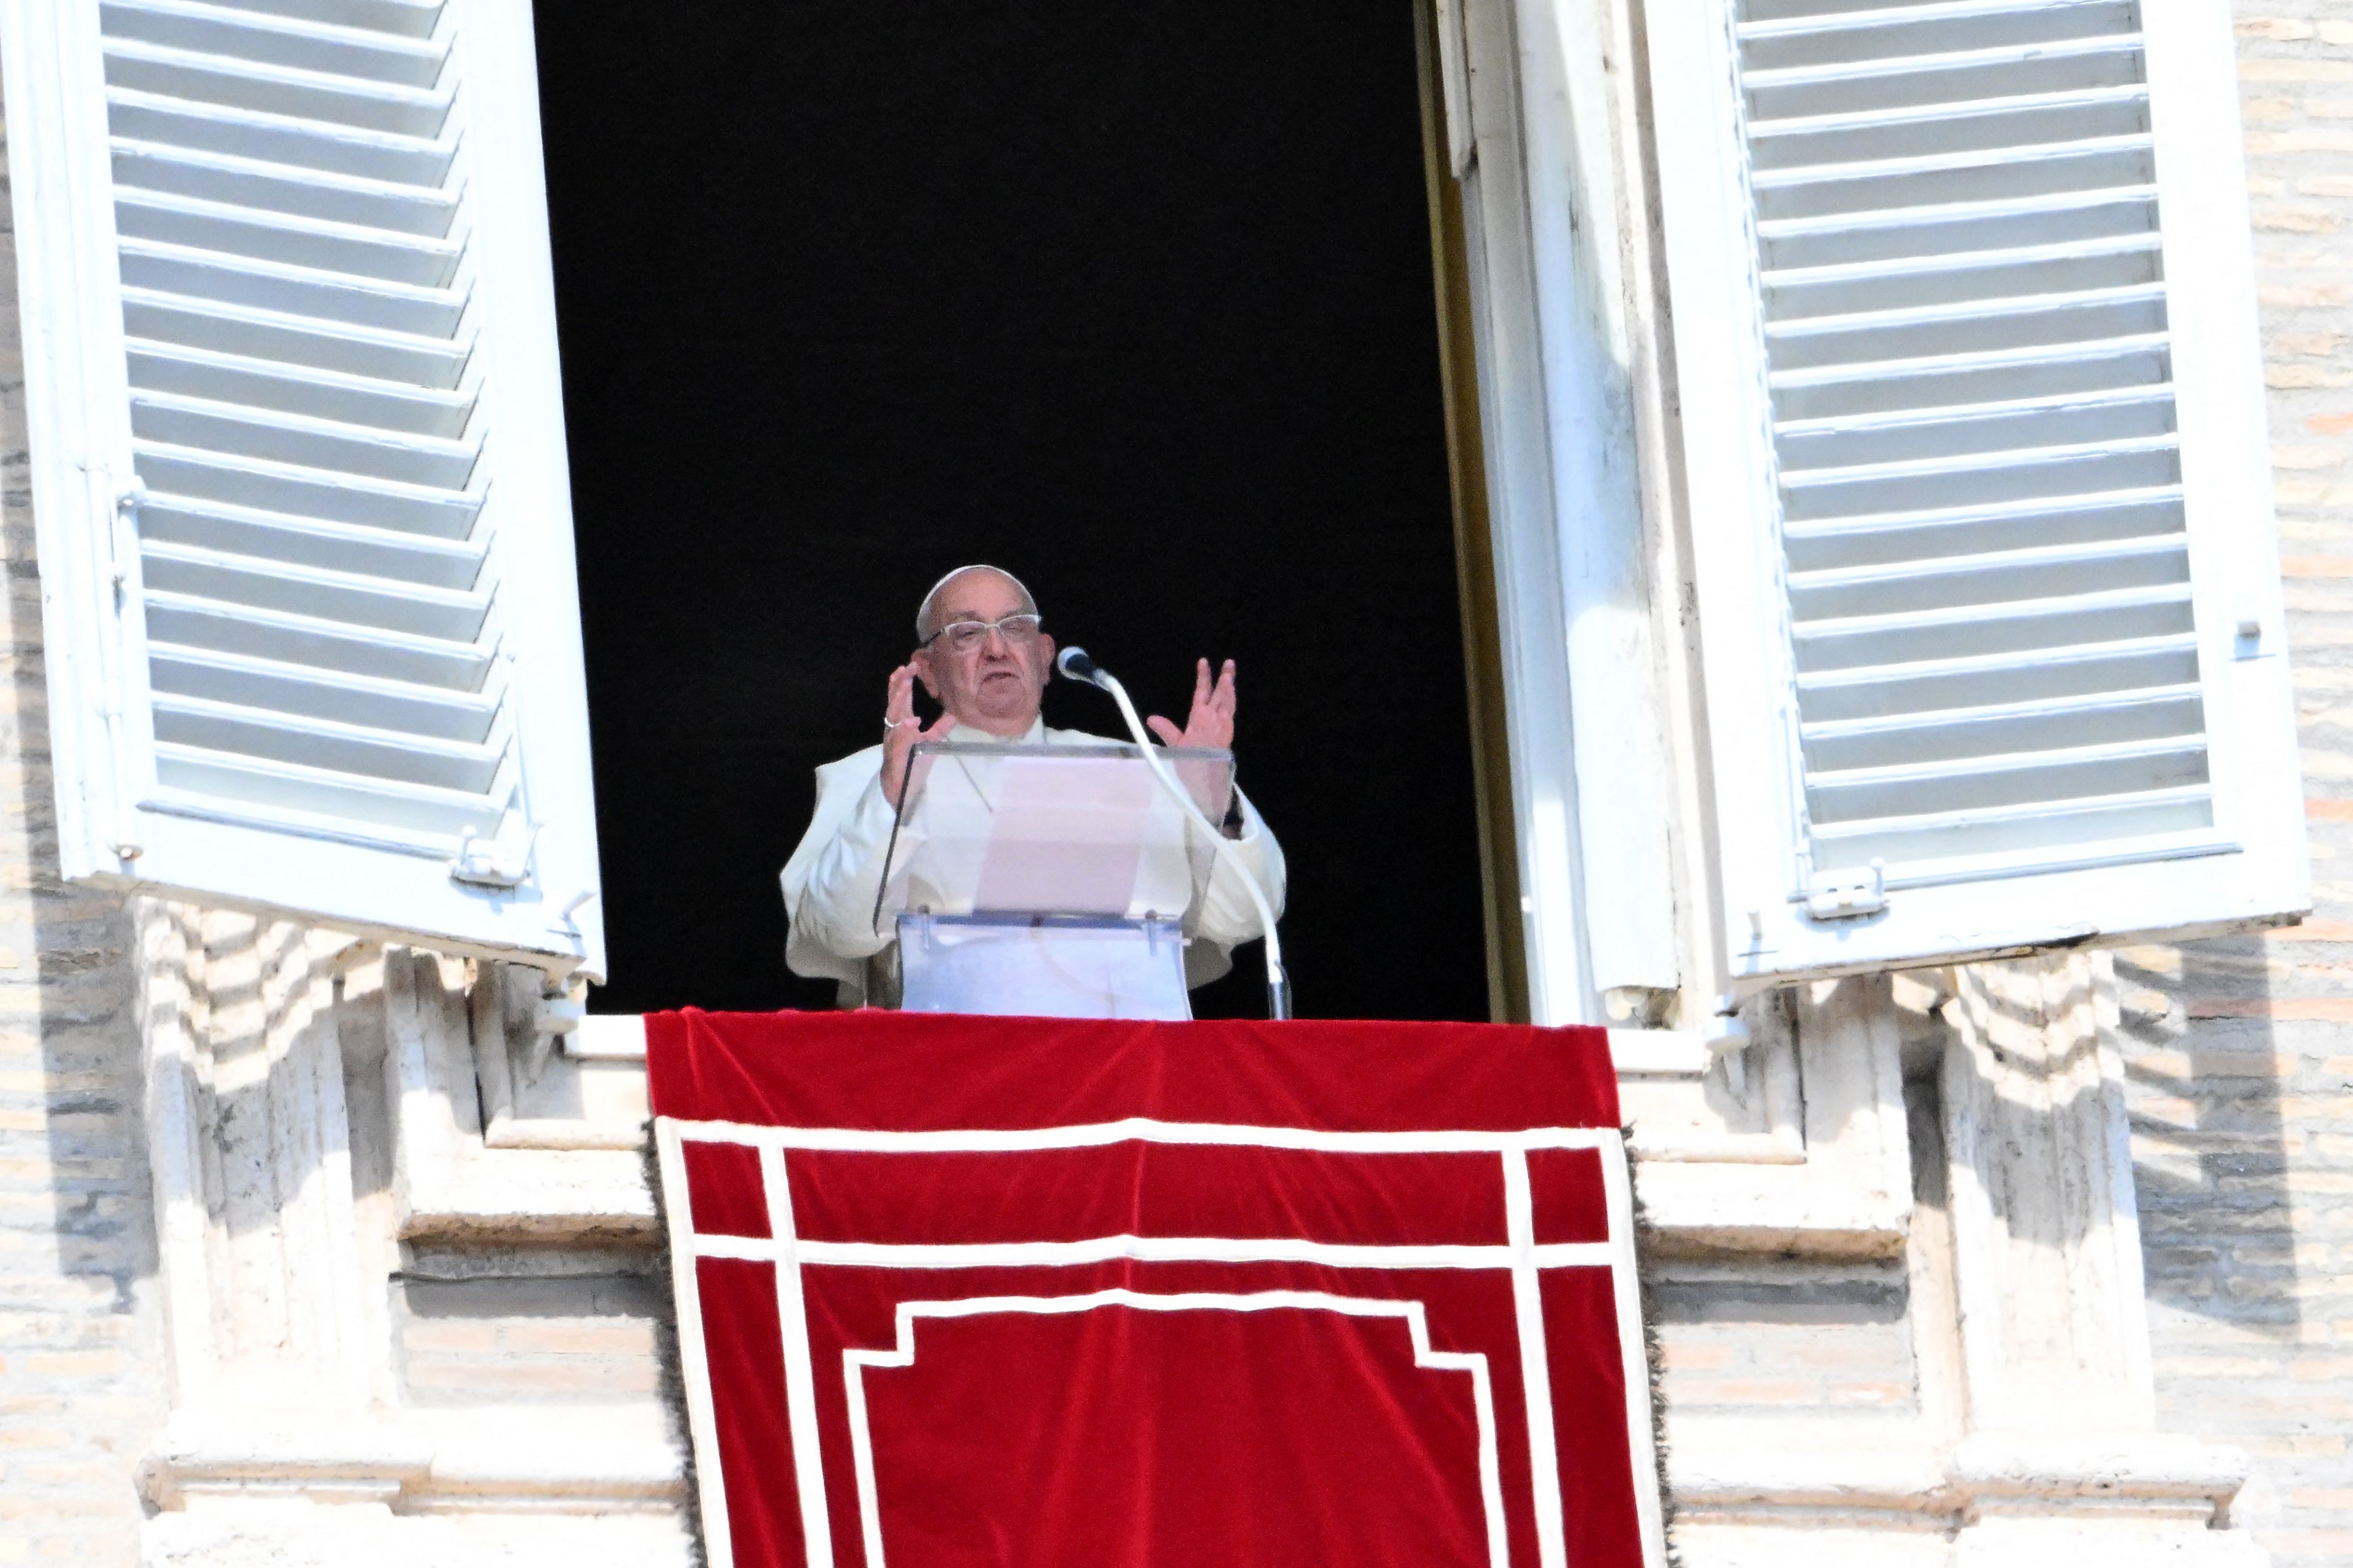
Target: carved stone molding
<point x="314" y="1117"/>
<point x="1796" y="1144"/>
<point x="2058" y="1452"/>
<point x="329" y="1118"/>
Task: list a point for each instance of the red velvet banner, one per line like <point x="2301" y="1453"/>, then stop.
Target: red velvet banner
<point x="1067" y="1294"/>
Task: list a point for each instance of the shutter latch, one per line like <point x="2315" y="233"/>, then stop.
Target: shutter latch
<point x="490" y="862"/>
<point x="1847" y="893"/>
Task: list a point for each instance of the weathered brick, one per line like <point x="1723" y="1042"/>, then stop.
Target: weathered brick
<point x="598" y="1339"/>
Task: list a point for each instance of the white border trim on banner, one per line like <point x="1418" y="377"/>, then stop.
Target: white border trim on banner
<point x="856" y="1361"/>
<point x="686" y="1287"/>
<point x="1520" y="1256"/>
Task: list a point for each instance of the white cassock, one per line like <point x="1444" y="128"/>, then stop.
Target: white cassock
<point x="833" y="879"/>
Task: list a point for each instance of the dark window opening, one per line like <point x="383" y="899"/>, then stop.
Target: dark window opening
<point x="1135" y="300"/>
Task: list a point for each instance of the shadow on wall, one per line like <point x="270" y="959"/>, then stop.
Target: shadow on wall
<point x="74" y="1003"/>
<point x="2210" y="1144"/>
<point x="79" y="1334"/>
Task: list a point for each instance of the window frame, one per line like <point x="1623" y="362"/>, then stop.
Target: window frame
<point x="1566" y="387"/>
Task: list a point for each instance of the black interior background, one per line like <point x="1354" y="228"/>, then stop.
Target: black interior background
<point x="1132" y="298"/>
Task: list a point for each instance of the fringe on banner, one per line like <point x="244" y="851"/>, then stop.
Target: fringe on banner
<point x="672" y="1363"/>
<point x="1654" y="1355"/>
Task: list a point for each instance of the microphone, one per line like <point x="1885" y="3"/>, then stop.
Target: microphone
<point x="1075" y="664"/>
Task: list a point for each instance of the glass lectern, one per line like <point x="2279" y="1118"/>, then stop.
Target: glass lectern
<point x="1052" y="881"/>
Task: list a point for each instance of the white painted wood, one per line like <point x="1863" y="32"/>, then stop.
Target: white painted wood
<point x="1973" y="427"/>
<point x="77" y="413"/>
<point x="1575" y="214"/>
<point x="1522" y="521"/>
<point x="298" y="466"/>
<point x="1454" y="88"/>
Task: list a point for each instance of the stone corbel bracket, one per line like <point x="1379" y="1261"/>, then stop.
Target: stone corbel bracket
<point x="578" y="1180"/>
<point x="1792" y="1142"/>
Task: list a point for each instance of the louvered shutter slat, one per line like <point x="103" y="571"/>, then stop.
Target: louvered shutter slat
<point x="231" y="83"/>
<point x="404" y="19"/>
<point x="259" y="332"/>
<point x="266" y="189"/>
<point x="196" y="622"/>
<point x="239" y="380"/>
<point x="326" y="243"/>
<point x="397" y="707"/>
<point x="166" y="270"/>
<point x="1937" y="234"/>
<point x="352" y="610"/>
<point x="230" y="30"/>
<point x="312" y="542"/>
<point x="279" y="140"/>
<point x="323" y="801"/>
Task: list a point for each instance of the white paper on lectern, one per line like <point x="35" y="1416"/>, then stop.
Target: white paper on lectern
<point x="1067" y="836"/>
<point x="1034" y="833"/>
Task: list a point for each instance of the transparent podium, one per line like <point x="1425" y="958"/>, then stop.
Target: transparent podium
<point x="1050" y="882"/>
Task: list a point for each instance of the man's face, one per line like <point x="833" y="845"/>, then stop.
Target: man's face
<point x="997" y="685"/>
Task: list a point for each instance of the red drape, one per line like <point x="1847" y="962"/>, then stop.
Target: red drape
<point x="1069" y="1294"/>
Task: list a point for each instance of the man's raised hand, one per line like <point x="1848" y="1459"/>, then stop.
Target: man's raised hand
<point x="1211" y="723"/>
<point x="902" y="729"/>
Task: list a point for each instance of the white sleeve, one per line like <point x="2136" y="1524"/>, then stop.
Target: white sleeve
<point x="831" y="882"/>
<point x="1227" y="916"/>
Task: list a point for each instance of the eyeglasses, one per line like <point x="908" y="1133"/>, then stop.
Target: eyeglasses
<point x="963" y="636"/>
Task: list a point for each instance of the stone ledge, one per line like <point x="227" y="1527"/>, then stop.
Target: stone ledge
<point x="303" y="1537"/>
<point x="548" y="1459"/>
<point x="573" y="1195"/>
<point x="1703" y="1209"/>
<point x="1889" y="1474"/>
<point x="1993" y="1467"/>
<point x="1862" y="1464"/>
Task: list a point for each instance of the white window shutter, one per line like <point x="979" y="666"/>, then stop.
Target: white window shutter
<point x="298" y="462"/>
<point x="1973" y="425"/>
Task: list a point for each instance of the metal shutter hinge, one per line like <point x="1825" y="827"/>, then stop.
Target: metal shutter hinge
<point x="125" y="544"/>
<point x="1847" y="893"/>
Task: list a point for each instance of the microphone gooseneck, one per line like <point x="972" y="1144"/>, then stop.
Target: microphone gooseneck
<point x="1075" y="664"/>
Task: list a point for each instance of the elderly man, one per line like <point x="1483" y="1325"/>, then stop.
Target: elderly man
<point x="980" y="651"/>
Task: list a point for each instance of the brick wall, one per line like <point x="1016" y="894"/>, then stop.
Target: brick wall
<point x="1756" y="1336"/>
<point x="2242" y="1066"/>
<point x="588" y="1333"/>
<point x="81" y="1386"/>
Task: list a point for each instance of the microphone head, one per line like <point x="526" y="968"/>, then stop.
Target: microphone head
<point x="1075" y="664"/>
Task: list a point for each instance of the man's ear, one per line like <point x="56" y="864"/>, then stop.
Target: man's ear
<point x="1045" y="647"/>
<point x="920" y="662"/>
